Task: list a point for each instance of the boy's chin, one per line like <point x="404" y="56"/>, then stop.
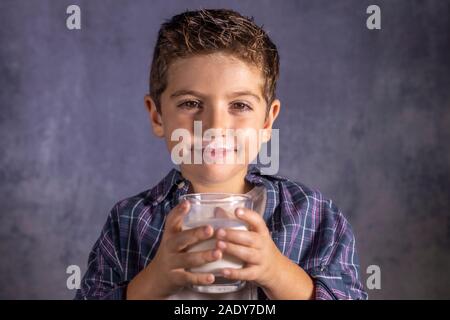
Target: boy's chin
<point x="214" y="173"/>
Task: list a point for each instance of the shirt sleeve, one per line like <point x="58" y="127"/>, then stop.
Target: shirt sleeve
<point x="338" y="275"/>
<point x="103" y="278"/>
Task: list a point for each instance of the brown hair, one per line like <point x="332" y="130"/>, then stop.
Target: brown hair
<point x="213" y="30"/>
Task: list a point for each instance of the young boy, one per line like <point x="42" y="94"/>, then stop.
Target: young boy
<point x="219" y="69"/>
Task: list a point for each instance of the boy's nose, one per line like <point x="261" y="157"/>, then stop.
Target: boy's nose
<point x="216" y="118"/>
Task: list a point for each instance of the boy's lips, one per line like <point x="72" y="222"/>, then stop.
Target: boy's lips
<point x="215" y="151"/>
<point x="214" y="146"/>
<point x="220" y="152"/>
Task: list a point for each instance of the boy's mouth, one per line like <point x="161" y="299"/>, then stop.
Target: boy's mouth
<point x="215" y="146"/>
<point x="215" y="150"/>
<point x="219" y="152"/>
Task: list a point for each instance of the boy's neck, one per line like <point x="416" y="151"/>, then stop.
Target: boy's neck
<point x="236" y="184"/>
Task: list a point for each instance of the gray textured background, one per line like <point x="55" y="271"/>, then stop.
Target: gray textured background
<point x="365" y="119"/>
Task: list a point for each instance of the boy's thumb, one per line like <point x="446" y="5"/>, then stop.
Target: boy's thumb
<point x="176" y="216"/>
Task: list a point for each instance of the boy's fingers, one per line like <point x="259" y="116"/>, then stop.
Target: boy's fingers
<point x="196" y="259"/>
<point x="246" y="254"/>
<point x="175" y="217"/>
<point x="189" y="237"/>
<point x="242" y="237"/>
<point x="198" y="278"/>
<point x="183" y="278"/>
<point x="254" y="220"/>
<point x="247" y="274"/>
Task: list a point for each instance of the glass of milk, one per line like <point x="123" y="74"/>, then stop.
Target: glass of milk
<point x="217" y="210"/>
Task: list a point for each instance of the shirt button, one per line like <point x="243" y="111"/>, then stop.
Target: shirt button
<point x="181" y="185"/>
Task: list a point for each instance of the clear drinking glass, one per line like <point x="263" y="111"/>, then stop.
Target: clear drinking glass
<point x="217" y="210"/>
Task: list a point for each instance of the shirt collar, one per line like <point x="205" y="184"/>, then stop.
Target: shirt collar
<point x="160" y="192"/>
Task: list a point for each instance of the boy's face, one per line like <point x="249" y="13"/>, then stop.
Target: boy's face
<point x="221" y="92"/>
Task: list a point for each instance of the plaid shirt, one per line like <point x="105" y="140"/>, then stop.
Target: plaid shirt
<point x="308" y="229"/>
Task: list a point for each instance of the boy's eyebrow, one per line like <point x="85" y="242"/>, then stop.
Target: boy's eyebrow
<point x="245" y="93"/>
<point x="196" y="93"/>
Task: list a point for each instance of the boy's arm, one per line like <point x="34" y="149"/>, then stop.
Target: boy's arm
<point x="331" y="250"/>
<point x="338" y="275"/>
<point x="103" y="278"/>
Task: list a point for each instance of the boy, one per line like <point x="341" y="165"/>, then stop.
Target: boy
<point x="217" y="68"/>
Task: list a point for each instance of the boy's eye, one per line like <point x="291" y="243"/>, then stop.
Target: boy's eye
<point x="240" y="106"/>
<point x="193" y="105"/>
<point x="190" y="105"/>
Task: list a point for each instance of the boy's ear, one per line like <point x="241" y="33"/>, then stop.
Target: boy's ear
<point x="155" y="117"/>
<point x="272" y="114"/>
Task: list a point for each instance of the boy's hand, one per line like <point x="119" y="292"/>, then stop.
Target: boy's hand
<point x="166" y="274"/>
<point x="255" y="247"/>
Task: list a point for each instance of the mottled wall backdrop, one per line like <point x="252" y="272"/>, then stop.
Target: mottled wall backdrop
<point x="365" y="119"/>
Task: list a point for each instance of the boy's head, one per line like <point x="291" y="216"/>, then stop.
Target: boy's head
<point x="218" y="69"/>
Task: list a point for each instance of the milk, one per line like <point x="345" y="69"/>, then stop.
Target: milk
<point x="227" y="261"/>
